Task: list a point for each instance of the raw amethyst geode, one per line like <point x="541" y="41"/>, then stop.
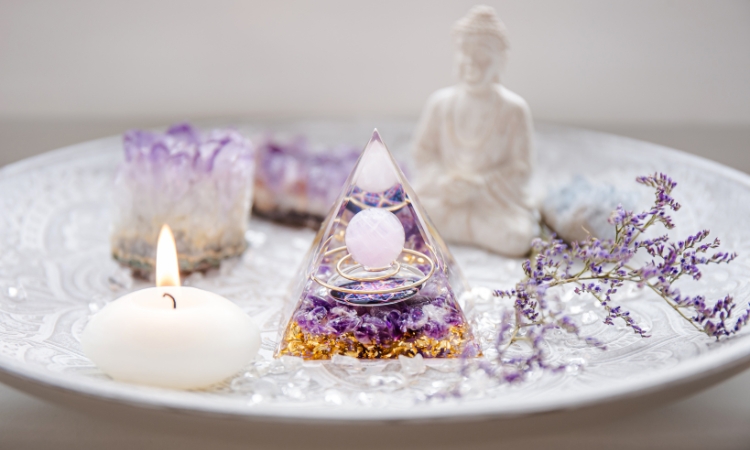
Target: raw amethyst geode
<point x="298" y="184"/>
<point x="200" y="184"/>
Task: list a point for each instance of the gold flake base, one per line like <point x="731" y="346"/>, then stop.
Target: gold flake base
<point x="322" y="347"/>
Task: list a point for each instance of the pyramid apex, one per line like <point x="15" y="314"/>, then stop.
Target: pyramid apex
<point x="376" y="136"/>
<point x="376" y="171"/>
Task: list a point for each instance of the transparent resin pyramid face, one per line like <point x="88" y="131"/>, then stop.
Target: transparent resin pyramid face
<point x="378" y="281"/>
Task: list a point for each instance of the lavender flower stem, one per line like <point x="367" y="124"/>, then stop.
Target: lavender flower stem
<point x="676" y="308"/>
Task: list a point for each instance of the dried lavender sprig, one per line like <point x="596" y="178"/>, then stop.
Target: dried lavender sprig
<point x="600" y="268"/>
<point x="603" y="266"/>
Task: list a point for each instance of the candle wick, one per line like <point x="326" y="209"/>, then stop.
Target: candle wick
<point x="174" y="302"/>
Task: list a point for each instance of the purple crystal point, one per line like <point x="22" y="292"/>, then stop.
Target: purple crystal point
<point x="184" y="132"/>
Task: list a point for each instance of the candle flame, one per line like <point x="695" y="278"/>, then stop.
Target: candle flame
<point x="167" y="267"/>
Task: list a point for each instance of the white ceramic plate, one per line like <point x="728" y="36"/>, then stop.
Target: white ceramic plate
<point x="55" y="270"/>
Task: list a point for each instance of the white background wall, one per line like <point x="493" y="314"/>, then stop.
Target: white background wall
<point x="676" y="72"/>
<point x="589" y="62"/>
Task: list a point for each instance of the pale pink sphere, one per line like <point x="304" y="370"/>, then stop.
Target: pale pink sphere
<point x="375" y="237"/>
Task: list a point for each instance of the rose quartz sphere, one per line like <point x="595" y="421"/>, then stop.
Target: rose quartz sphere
<point x="375" y="237"/>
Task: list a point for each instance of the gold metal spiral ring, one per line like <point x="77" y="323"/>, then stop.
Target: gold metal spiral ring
<point x="413" y="285"/>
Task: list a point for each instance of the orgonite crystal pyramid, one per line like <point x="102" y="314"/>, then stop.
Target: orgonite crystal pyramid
<point x="378" y="281"/>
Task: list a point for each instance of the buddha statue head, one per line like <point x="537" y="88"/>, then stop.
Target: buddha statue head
<point x="481" y="47"/>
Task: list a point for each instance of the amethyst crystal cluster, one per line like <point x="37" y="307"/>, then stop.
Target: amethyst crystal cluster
<point x="200" y="184"/>
<point x="296" y="184"/>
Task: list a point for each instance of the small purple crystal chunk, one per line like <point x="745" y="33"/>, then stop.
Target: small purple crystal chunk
<point x="198" y="183"/>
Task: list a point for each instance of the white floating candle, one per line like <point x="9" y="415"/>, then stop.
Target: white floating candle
<point x="171" y="336"/>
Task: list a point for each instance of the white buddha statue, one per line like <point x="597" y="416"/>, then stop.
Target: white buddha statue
<point x="473" y="149"/>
